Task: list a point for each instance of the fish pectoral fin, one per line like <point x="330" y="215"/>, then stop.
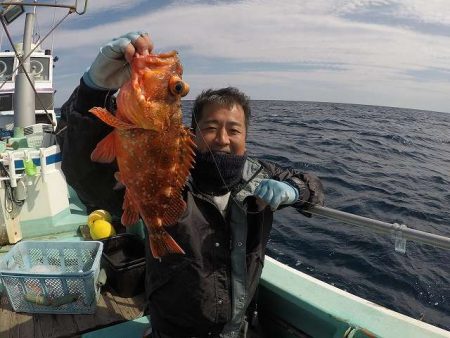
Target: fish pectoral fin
<point x="130" y="213"/>
<point x="110" y="119"/>
<point x="105" y="151"/>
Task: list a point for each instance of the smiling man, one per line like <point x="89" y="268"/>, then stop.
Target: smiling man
<point x="219" y="123"/>
<point x="230" y="200"/>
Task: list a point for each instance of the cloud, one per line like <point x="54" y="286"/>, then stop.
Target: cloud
<point x="387" y="45"/>
<point x="431" y="17"/>
<point x="260" y="31"/>
<point x="112" y="5"/>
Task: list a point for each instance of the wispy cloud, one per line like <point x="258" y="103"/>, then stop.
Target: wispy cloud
<point x="388" y="52"/>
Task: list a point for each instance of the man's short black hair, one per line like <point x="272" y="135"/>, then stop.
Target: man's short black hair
<point x="226" y="97"/>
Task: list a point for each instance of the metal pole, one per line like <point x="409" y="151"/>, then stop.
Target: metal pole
<point x="383" y="227"/>
<point x="24" y="100"/>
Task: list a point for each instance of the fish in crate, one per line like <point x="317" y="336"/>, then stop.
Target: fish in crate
<point x="153" y="149"/>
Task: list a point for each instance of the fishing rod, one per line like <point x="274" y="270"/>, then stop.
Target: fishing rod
<point x="401" y="231"/>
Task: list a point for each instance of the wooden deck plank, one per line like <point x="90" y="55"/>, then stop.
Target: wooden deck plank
<point x="131" y="308"/>
<point x="11" y="323"/>
<point x="52" y="325"/>
<point x="24" y="325"/>
<point x="4" y="326"/>
<point x="14" y="324"/>
<point x="37" y="327"/>
<point x="111" y="310"/>
<point x="104" y="315"/>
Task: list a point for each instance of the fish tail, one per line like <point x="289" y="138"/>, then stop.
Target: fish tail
<point x="161" y="243"/>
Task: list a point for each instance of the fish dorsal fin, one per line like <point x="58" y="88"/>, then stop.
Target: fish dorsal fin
<point x="185" y="154"/>
<point x="110" y="119"/>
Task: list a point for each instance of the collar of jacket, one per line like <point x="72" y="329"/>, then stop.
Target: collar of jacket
<point x="253" y="173"/>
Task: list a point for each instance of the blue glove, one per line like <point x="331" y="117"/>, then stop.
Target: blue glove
<point x="276" y="193"/>
<point x="110" y="70"/>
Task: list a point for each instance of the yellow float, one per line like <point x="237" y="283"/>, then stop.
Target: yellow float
<point x="100" y="227"/>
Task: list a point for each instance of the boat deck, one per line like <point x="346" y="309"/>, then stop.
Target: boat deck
<point x="111" y="310"/>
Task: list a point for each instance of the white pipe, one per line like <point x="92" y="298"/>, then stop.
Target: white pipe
<point x="43" y="164"/>
<point x="400" y="230"/>
<point x="12" y="169"/>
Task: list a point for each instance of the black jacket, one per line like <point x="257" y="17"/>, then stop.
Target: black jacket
<point x="189" y="295"/>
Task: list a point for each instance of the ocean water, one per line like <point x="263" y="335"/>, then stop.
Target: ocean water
<point x="385" y="163"/>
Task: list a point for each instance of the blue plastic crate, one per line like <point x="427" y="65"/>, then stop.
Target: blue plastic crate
<point x="52" y="277"/>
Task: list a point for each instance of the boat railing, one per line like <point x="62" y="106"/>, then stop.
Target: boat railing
<point x="401" y="232"/>
<point x="19" y="164"/>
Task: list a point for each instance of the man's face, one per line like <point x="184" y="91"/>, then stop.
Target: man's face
<point x="221" y="130"/>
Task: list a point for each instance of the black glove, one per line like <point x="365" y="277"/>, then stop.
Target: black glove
<point x="316" y="194"/>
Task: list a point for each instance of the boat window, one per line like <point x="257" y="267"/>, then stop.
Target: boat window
<point x="6" y="102"/>
<point x="39" y="67"/>
<point x="42" y="118"/>
<point x="6" y="68"/>
<point x="45" y="101"/>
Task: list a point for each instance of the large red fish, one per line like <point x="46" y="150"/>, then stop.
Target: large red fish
<point x="154" y="151"/>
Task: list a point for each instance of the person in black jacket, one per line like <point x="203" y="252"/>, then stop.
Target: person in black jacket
<point x="230" y="199"/>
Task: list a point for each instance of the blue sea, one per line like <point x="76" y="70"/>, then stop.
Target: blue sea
<point x="385" y="163"/>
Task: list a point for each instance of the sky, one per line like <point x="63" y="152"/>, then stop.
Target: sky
<point x="377" y="52"/>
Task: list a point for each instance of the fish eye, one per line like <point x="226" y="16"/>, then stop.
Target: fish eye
<point x="178" y="87"/>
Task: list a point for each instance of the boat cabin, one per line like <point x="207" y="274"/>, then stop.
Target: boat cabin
<point x="41" y="64"/>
